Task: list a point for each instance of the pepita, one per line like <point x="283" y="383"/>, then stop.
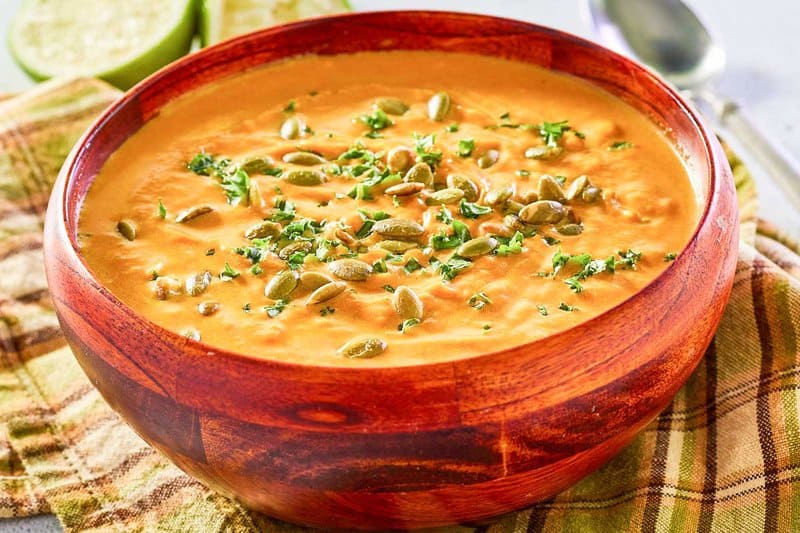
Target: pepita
<point x="488" y="159"/>
<point x="350" y="269"/>
<point x="570" y="229"/>
<point x="292" y="128"/>
<point x="304" y="177"/>
<point x="438" y="106"/>
<point x="550" y="189"/>
<point x="471" y="190"/>
<point x="405" y="189"/>
<point x="396" y="247"/>
<point x="363" y="348"/>
<point x="281" y="285"/>
<point x="193" y="212"/>
<point x="299" y="246"/>
<point x="407" y="304"/>
<point x="399" y="159"/>
<point x="450" y="195"/>
<point x="263" y="229"/>
<point x="544" y="152"/>
<point x="127" y="228"/>
<point x="420" y="173"/>
<point x="312" y="280"/>
<point x="477" y="246"/>
<point x="197" y="283"/>
<point x="398" y="228"/>
<point x="166" y="286"/>
<point x="542" y="212"/>
<point x="326" y="292"/>
<point x="306" y="159"/>
<point x="576" y="187"/>
<point x="392" y="106"/>
<point x="258" y="165"/>
<point x="495" y="197"/>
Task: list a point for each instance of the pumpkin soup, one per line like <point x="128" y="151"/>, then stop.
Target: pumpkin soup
<point x="386" y="208"/>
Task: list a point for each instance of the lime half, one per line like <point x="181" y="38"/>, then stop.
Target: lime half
<point x="120" y="41"/>
<point x="222" y="19"/>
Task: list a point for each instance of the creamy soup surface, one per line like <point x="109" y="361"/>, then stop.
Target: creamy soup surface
<point x="386" y="208"/>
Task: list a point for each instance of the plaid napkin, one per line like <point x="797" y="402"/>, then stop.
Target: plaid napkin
<point x="724" y="456"/>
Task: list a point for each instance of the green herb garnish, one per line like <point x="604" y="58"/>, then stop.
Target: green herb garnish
<point x="290" y="107"/>
<point x="388" y="288"/>
<point x="276" y="308"/>
<point x="471" y="210"/>
<point x="465" y="147"/>
<point x="568" y="308"/>
<point x="452" y="267"/>
<point x="412" y="265"/>
<point x="162" y="210"/>
<point x="513" y="246"/>
<point x="551" y="132"/>
<point x="479" y="300"/>
<point x="228" y="273"/>
<point x="378" y="120"/>
<point x="620" y="145"/>
<point x="424" y="147"/>
<point x="452" y="128"/>
<point x="542" y="310"/>
<point x="327" y="310"/>
<point x="408" y="324"/>
<point x="670" y="257"/>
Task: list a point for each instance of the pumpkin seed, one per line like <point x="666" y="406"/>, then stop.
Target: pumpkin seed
<point x="306" y="159"/>
<point x="570" y="229"/>
<point x="207" y="308"/>
<point x="542" y="212"/>
<point x="127" y="228"/>
<point x="420" y="173"/>
<point x="305" y="177"/>
<point x="496" y="197"/>
<point x="407" y="303"/>
<point x="350" y="269"/>
<point x="471" y="190"/>
<point x="363" y="348"/>
<point x="197" y="283"/>
<point x="398" y="228"/>
<point x="392" y="106"/>
<point x="512" y="207"/>
<point x="405" y="189"/>
<point x="258" y="165"/>
<point x="254" y="196"/>
<point x="488" y="158"/>
<point x="281" y="285"/>
<point x="326" y="292"/>
<point x="591" y="194"/>
<point x="165" y="286"/>
<point x="477" y="246"/>
<point x="396" y="247"/>
<point x="346" y="238"/>
<point x="292" y="128"/>
<point x="193" y="212"/>
<point x="512" y="221"/>
<point x="265" y="228"/>
<point x="576" y="187"/>
<point x="438" y="106"/>
<point x="399" y="159"/>
<point x="550" y="189"/>
<point x="528" y="197"/>
<point x="543" y="152"/>
<point x="299" y="246"/>
<point x="312" y="281"/>
<point x="450" y="195"/>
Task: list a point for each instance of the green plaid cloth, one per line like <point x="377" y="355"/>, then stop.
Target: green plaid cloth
<point x="724" y="456"/>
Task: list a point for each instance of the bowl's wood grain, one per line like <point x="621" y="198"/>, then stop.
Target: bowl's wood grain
<point x="400" y="447"/>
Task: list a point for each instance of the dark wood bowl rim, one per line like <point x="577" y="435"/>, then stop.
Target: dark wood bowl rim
<point x="276" y="31"/>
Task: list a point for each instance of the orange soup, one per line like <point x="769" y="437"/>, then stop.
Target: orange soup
<point x="386" y="208"/>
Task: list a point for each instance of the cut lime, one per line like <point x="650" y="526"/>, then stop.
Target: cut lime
<point x="121" y="41"/>
<point x="222" y="19"/>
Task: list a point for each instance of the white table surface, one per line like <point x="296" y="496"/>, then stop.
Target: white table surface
<point x="763" y="73"/>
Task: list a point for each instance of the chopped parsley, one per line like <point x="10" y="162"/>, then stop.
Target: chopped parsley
<point x="551" y="132"/>
<point x="620" y="145"/>
<point x="162" y="210"/>
<point x="235" y="181"/>
<point x="522" y="173"/>
<point x="452" y="128"/>
<point x="513" y="246"/>
<point x="444" y="215"/>
<point x="479" y="300"/>
<point x="408" y="324"/>
<point x="211" y="251"/>
<point x="424" y="147"/>
<point x="285" y="211"/>
<point x="327" y="310"/>
<point x="629" y="259"/>
<point x="452" y="267"/>
<point x="569" y="308"/>
<point x="459" y="236"/>
<point x="388" y="288"/>
<point x="256" y="270"/>
<point x="471" y="210"/>
<point x="551" y="241"/>
<point x="369" y="221"/>
<point x="465" y="147"/>
<point x="377" y="121"/>
<point x="412" y="265"/>
<point x="228" y="273"/>
<point x="202" y="164"/>
<point x="276" y="308"/>
<point x="487" y="327"/>
<point x="246" y="308"/>
<point x="236" y="186"/>
<point x="670" y="257"/>
<point x="542" y="310"/>
<point x="380" y="267"/>
<point x="290" y="107"/>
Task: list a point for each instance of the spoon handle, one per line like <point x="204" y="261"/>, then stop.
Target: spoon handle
<point x="781" y="166"/>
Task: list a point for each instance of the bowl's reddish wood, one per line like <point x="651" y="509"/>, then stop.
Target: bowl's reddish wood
<point x="400" y="447"/>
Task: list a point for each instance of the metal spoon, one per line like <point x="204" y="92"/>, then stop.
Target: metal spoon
<point x="669" y="37"/>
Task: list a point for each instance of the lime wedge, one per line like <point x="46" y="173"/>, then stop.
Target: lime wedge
<point x="121" y="41"/>
<point x="222" y="19"/>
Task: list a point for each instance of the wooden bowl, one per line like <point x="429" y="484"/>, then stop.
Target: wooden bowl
<point x="409" y="447"/>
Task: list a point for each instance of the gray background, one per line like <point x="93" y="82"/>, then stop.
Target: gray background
<point x="763" y="73"/>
